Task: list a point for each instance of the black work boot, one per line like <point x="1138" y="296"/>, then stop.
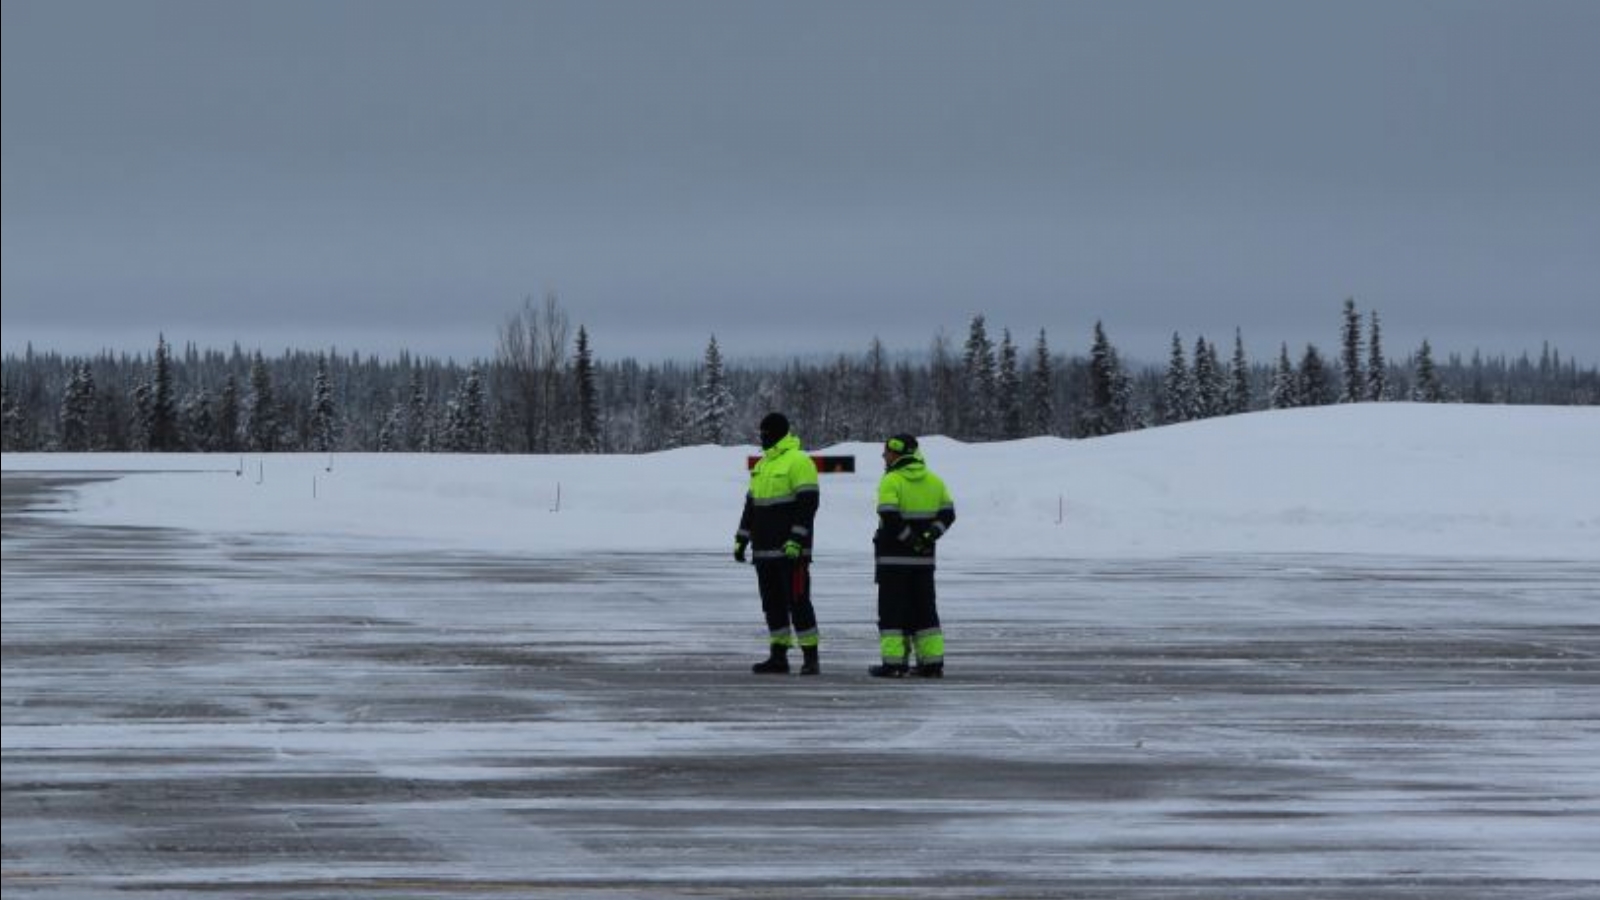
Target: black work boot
<point x="775" y="664"/>
<point x="888" y="670"/>
<point x="929" y="670"/>
<point x="812" y="665"/>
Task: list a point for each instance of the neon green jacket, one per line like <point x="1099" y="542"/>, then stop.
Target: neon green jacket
<point x="912" y="501"/>
<point x="781" y="504"/>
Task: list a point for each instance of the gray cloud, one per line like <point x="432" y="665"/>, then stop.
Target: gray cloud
<point x="800" y="176"/>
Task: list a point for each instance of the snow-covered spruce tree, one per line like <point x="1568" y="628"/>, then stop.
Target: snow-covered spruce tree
<point x="1178" y="387"/>
<point x="583" y="378"/>
<point x="1208" y="387"/>
<point x="76" y="421"/>
<point x="1427" y="388"/>
<point x="662" y="425"/>
<point x="876" y="392"/>
<point x="30" y="405"/>
<point x="113" y="423"/>
<point x="1041" y="389"/>
<point x="1238" y="378"/>
<point x="1355" y="386"/>
<point x="840" y="412"/>
<point x="1009" y="389"/>
<point x="418" y="434"/>
<point x="1285" y="383"/>
<point x="324" y="417"/>
<point x="711" y="410"/>
<point x="1376" y="387"/>
<point x="226" y="438"/>
<point x="1102" y="385"/>
<point x="261" y="427"/>
<point x="944" y="387"/>
<point x="978" y="409"/>
<point x="679" y="430"/>
<point x="467" y="429"/>
<point x="140" y="427"/>
<point x="911" y="409"/>
<point x="1124" y="411"/>
<point x="390" y="434"/>
<point x="1216" y="393"/>
<point x="804" y="401"/>
<point x="162" y="423"/>
<point x="1478" y="388"/>
<point x="394" y="431"/>
<point x="199" y="422"/>
<point x="448" y="438"/>
<point x="11" y="421"/>
<point x="1316" y="388"/>
<point x="475" y="401"/>
<point x="1110" y="408"/>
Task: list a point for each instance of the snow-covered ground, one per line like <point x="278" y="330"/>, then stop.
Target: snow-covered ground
<point x="1373" y="478"/>
<point x="1341" y="653"/>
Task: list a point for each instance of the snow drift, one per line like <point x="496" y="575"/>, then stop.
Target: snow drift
<point x="1440" y="480"/>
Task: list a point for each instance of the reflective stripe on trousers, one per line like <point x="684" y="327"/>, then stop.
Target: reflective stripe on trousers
<point x="922" y="561"/>
<point x="897" y="646"/>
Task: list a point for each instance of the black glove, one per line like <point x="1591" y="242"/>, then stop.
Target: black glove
<point x="739" y="543"/>
<point x="922" y="544"/>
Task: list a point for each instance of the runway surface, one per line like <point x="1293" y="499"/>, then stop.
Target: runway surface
<point x="193" y="715"/>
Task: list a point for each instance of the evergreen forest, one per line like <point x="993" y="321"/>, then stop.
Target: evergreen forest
<point x="547" y="389"/>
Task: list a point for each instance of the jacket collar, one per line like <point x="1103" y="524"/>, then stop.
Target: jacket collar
<point x="908" y="461"/>
<point x="788" y="442"/>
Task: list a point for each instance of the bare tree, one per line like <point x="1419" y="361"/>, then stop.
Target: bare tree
<point x="518" y="356"/>
<point x="555" y="332"/>
<point x="532" y="352"/>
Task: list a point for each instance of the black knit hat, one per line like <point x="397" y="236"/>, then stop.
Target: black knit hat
<point x="901" y="443"/>
<point x="773" y="428"/>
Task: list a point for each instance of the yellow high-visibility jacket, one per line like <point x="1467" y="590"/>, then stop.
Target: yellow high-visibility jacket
<point x="912" y="502"/>
<point x="781" y="505"/>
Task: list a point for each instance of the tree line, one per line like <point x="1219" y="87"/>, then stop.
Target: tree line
<point x="545" y="391"/>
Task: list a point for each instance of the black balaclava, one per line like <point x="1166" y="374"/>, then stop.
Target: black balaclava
<point x="773" y="428"/>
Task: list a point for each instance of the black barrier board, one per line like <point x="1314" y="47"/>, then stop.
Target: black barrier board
<point x="826" y="465"/>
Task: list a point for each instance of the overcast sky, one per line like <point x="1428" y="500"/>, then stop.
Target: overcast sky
<point x="798" y="177"/>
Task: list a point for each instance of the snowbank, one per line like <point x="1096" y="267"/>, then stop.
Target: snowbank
<point x="1446" y="480"/>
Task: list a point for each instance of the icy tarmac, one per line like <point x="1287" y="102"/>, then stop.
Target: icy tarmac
<point x="191" y="715"/>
